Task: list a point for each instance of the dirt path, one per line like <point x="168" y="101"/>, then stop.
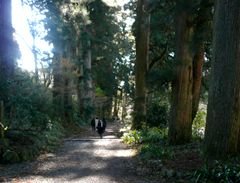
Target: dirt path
<point x="88" y="159"/>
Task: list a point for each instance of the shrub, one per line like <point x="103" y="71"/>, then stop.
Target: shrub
<point x="131" y="137"/>
<point x="155" y="150"/>
<point x="158" y="115"/>
<point x="199" y="123"/>
<point x="218" y="172"/>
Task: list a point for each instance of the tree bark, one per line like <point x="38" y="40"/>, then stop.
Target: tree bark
<point x="223" y="116"/>
<point x="141" y="63"/>
<point x="57" y="86"/>
<point x="202" y="31"/>
<point x="80" y="82"/>
<point x="6" y="38"/>
<point x="198" y="60"/>
<point x="89" y="67"/>
<point x="180" y="125"/>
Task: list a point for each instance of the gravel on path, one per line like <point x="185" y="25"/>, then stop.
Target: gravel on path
<point x="87" y="159"/>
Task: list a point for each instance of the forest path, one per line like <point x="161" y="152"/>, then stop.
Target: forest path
<point x="89" y="159"/>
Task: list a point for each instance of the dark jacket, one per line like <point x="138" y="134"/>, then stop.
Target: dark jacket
<point x="100" y="127"/>
<point x="93" y="122"/>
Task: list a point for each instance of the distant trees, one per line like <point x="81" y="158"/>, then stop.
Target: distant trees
<point x="89" y="50"/>
<point x="223" y="116"/>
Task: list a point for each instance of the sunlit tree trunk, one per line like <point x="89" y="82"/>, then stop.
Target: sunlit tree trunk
<point x="223" y="116"/>
<point x="180" y="125"/>
<point x="80" y="105"/>
<point x="89" y="81"/>
<point x="141" y="64"/>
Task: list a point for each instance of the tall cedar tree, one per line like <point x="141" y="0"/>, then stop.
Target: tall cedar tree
<point x="6" y="39"/>
<point x="180" y="124"/>
<point x="223" y="118"/>
<point x="202" y="34"/>
<point x="142" y="31"/>
<point x="191" y="36"/>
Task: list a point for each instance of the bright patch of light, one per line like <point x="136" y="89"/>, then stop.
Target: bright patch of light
<point x="20" y="17"/>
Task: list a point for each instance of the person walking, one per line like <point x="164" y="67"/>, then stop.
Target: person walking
<point x="104" y="124"/>
<point x="100" y="128"/>
<point x="93" y="125"/>
<point x="96" y="122"/>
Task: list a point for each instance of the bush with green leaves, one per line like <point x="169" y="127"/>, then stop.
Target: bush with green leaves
<point x="218" y="172"/>
<point x="131" y="137"/>
<point x="151" y="141"/>
<point x="158" y="115"/>
<point x="28" y="113"/>
<point x="199" y="124"/>
<point x="155" y="151"/>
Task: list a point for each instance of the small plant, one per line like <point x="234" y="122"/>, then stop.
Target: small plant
<point x="218" y="172"/>
<point x="154" y="134"/>
<point x="131" y="137"/>
<point x="199" y="124"/>
<point x="153" y="151"/>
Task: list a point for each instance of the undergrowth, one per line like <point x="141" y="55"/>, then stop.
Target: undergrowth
<point x="218" y="172"/>
<point x="150" y="142"/>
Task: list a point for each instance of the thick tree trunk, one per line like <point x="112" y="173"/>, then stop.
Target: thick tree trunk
<point x="80" y="105"/>
<point x="198" y="60"/>
<point x="223" y="116"/>
<point x="57" y="86"/>
<point x="180" y="126"/>
<point x="6" y="38"/>
<point x="141" y="63"/>
<point x="202" y="31"/>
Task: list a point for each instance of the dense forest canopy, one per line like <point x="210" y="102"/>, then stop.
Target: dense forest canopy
<point x="159" y="69"/>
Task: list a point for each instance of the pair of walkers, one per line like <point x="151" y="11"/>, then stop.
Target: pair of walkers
<point x="100" y="125"/>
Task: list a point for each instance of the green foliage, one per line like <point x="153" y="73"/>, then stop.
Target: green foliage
<point x="152" y="151"/>
<point x="49" y="139"/>
<point x="199" y="124"/>
<point x="88" y="111"/>
<point x="100" y="92"/>
<point x="28" y="114"/>
<point x="151" y="141"/>
<point x="218" y="172"/>
<point x="132" y="137"/>
<point x="154" y="135"/>
<point x="158" y="115"/>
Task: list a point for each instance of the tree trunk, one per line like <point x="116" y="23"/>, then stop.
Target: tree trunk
<point x="89" y="81"/>
<point x="202" y="31"/>
<point x="57" y="86"/>
<point x="6" y="38"/>
<point x="141" y="63"/>
<point x="223" y="116"/>
<point x="79" y="82"/>
<point x="180" y="125"/>
<point x="198" y="60"/>
<point x="115" y="110"/>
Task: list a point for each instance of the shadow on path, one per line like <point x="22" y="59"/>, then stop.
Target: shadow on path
<point x="89" y="159"/>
